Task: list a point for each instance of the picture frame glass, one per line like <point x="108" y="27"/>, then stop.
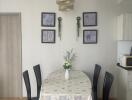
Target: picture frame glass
<point x="48" y="36"/>
<point x="90" y="36"/>
<point x="90" y="19"/>
<point x="48" y="19"/>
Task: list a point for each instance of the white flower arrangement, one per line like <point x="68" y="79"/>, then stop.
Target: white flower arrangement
<point x="68" y="59"/>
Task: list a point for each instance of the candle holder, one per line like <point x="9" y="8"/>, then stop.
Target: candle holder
<point x="131" y="52"/>
<point x="59" y="26"/>
<point x="78" y="25"/>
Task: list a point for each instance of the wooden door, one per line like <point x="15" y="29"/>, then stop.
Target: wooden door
<point x="10" y="55"/>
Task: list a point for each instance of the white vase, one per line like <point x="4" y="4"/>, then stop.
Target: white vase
<point x="67" y="76"/>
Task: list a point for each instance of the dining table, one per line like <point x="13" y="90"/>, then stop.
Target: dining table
<point x="56" y="87"/>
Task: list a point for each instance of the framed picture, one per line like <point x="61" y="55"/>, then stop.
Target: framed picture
<point x="48" y="19"/>
<point x="47" y="36"/>
<point x="89" y="19"/>
<point x="89" y="36"/>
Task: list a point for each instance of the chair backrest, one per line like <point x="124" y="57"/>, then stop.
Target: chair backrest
<point x="95" y="77"/>
<point x="108" y="80"/>
<point x="27" y="84"/>
<point x="37" y="72"/>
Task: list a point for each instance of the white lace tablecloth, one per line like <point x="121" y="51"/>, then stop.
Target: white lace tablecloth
<point x="55" y="87"/>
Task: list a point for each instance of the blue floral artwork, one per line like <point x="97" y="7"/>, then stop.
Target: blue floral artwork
<point x="48" y="19"/>
<point x="89" y="36"/>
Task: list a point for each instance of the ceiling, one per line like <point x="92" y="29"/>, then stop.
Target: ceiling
<point x="124" y="1"/>
<point x="125" y="5"/>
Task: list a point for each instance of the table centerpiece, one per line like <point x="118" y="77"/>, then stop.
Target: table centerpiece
<point x="69" y="57"/>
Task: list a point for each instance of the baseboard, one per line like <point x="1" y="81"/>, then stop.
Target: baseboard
<point x="24" y="98"/>
<point x="109" y="99"/>
<point x="13" y="98"/>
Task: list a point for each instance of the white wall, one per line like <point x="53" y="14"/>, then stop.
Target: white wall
<point x="50" y="56"/>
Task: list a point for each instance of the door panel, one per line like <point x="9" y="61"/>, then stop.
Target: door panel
<point x="10" y="55"/>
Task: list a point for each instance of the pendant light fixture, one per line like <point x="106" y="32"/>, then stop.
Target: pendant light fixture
<point x="65" y="5"/>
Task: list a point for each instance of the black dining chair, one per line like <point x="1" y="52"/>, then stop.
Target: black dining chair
<point x="108" y="80"/>
<point x="28" y="86"/>
<point x="37" y="72"/>
<point x="95" y="81"/>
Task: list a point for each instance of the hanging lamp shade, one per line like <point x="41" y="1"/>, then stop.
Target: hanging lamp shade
<point x="59" y="2"/>
<point x="65" y="5"/>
